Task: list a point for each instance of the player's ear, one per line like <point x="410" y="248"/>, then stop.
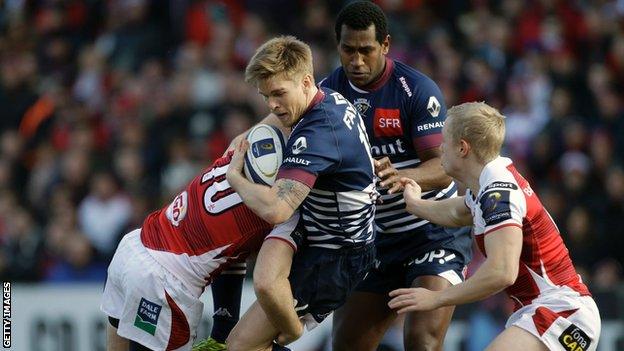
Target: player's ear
<point x="308" y="82"/>
<point x="385" y="45"/>
<point x="464" y="147"/>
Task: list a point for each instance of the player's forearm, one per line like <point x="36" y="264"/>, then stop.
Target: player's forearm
<point x="259" y="198"/>
<point x="277" y="302"/>
<point x="270" y="119"/>
<point x="489" y="279"/>
<point x="429" y="175"/>
<point x="439" y="212"/>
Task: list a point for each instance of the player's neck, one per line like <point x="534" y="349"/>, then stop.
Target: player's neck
<point x="381" y="72"/>
<point x="311" y="95"/>
<point x="472" y="174"/>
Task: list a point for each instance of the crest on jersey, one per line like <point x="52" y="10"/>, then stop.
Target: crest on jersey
<point x="177" y="209"/>
<point x="433" y="106"/>
<point x="362" y="105"/>
<point x="300" y="145"/>
<point x="491" y="201"/>
<point x="495" y="206"/>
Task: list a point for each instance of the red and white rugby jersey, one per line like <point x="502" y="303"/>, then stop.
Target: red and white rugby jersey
<point x="204" y="228"/>
<point x="505" y="199"/>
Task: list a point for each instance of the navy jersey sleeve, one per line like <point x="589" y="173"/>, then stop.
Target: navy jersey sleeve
<point x="428" y="112"/>
<point x="311" y="151"/>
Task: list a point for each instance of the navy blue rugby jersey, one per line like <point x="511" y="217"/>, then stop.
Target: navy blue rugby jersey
<point x="404" y="113"/>
<point x="329" y="151"/>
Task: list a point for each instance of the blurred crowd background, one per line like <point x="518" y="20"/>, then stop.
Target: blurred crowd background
<point x="107" y="109"/>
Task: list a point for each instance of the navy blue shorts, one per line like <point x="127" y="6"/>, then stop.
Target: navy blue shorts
<point x="322" y="279"/>
<point x="399" y="263"/>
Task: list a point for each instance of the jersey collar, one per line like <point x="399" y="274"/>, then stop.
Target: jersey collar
<point x="318" y="97"/>
<point x="499" y="161"/>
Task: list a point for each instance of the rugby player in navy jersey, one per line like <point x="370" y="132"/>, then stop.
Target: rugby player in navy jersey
<point x="404" y="113"/>
<point x="328" y="175"/>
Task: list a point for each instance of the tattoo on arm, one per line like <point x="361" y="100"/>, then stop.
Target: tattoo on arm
<point x="292" y="191"/>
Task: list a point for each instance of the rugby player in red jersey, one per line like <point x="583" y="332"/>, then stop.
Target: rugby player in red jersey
<point x="525" y="254"/>
<point x="159" y="271"/>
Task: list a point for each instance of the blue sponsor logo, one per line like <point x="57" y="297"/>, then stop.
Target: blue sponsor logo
<point x="263" y="147"/>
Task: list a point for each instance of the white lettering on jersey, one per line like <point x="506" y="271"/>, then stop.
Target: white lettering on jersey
<point x="405" y="86"/>
<point x="394" y="123"/>
<point x="339" y="99"/>
<point x="297" y="160"/>
<point x="349" y="117"/>
<point x="428" y="126"/>
<point x="349" y="120"/>
<point x="388" y="149"/>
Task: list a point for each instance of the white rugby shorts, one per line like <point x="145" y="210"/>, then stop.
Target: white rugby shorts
<point x="285" y="230"/>
<point x="154" y="307"/>
<point x="562" y="320"/>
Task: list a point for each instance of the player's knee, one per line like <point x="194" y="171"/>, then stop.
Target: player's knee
<point x="263" y="282"/>
<point x="263" y="287"/>
<point x="423" y="340"/>
<point x="233" y="343"/>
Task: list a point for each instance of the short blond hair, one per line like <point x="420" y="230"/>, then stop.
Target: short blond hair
<point x="284" y="55"/>
<point x="481" y="125"/>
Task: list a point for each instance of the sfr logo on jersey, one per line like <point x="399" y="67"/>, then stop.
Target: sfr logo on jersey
<point x="387" y="122"/>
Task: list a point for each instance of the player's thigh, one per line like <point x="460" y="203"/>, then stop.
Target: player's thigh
<point x="115" y="342"/>
<point x="253" y="331"/>
<point x="361" y="322"/>
<point x="426" y="330"/>
<point x="516" y="339"/>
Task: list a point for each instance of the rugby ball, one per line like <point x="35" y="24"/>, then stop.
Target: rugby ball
<point x="265" y="153"/>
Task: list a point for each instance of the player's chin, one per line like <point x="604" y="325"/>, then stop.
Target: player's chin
<point x="360" y="79"/>
<point x="286" y="120"/>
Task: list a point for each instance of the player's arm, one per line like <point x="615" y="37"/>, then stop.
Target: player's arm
<point x="500" y="270"/>
<point x="273" y="288"/>
<point x="421" y="112"/>
<point x="270" y="119"/>
<point x="429" y="174"/>
<point x="273" y="204"/>
<point x="447" y="213"/>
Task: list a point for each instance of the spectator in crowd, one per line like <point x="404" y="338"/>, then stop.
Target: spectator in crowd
<point x="104" y="213"/>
